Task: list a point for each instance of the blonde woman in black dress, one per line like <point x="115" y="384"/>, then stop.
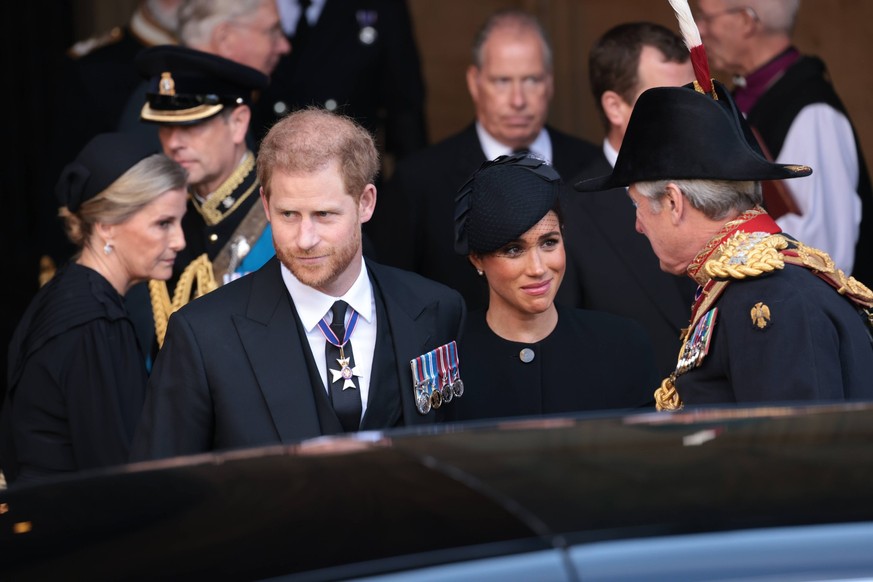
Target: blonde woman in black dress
<point x="77" y="373"/>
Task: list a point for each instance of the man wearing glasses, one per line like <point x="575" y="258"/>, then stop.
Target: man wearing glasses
<point x="789" y="99"/>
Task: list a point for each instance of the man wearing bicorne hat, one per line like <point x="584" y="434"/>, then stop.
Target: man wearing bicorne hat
<point x="774" y="320"/>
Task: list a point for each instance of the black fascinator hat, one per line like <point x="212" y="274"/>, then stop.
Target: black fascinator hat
<point x="502" y="200"/>
<point x="102" y="161"/>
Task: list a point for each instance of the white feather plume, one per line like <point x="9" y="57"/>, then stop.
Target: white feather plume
<point x="687" y="26"/>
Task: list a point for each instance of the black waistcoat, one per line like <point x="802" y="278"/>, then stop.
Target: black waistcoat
<point x="384" y="408"/>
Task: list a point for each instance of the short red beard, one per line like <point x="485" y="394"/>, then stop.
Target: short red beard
<point x="338" y="261"/>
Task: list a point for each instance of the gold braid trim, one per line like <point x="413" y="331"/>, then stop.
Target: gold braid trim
<point x="822" y="265"/>
<point x="47" y="269"/>
<point x="209" y="209"/>
<point x="200" y="269"/>
<point x="666" y="397"/>
<point x="746" y="254"/>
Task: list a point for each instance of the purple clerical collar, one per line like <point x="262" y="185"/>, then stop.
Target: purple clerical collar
<point x="750" y="88"/>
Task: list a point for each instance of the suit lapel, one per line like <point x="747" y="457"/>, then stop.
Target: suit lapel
<point x="411" y="323"/>
<point x="384" y="406"/>
<point x="269" y="336"/>
<point x="468" y="157"/>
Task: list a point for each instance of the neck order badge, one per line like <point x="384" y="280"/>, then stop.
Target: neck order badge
<point x="346" y="397"/>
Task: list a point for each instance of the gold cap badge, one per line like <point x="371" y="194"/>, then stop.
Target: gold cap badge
<point x="167" y="86"/>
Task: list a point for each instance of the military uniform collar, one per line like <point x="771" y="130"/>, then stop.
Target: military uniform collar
<point x="231" y="194"/>
<point x="754" y="220"/>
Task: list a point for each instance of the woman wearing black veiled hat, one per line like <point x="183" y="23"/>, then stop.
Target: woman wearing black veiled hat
<point x="525" y="355"/>
<point x="77" y="375"/>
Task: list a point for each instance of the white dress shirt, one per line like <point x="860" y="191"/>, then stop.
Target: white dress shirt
<point x="289" y="14"/>
<point x="610" y="152"/>
<point x="541" y="147"/>
<point x="313" y="306"/>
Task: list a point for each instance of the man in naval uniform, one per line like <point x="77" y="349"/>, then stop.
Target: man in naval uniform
<point x="202" y="105"/>
<point x="774" y="320"/>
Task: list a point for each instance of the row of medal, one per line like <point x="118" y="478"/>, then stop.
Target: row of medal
<point x="436" y="377"/>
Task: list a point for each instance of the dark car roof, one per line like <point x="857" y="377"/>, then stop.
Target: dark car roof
<point x="372" y="503"/>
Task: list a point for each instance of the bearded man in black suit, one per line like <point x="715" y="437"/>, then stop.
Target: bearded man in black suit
<point x="260" y="360"/>
<point x="511" y="84"/>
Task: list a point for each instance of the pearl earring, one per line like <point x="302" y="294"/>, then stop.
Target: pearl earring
<point x="107" y="249"/>
<point x="480" y="272"/>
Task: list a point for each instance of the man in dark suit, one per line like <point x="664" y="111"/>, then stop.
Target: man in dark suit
<point x="356" y="57"/>
<point x="268" y="357"/>
<point x="511" y="84"/>
<point x="610" y="266"/>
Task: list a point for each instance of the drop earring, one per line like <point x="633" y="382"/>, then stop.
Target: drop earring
<point x="480" y="272"/>
<point x="107" y="249"/>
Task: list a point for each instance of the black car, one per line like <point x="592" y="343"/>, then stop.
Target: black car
<point x="758" y="493"/>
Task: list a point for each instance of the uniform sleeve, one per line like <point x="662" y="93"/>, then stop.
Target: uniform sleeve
<point x="177" y="417"/>
<point x="821" y="137"/>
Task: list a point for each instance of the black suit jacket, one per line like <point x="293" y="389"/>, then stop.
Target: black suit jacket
<point x="234" y="372"/>
<point x="611" y="267"/>
<point x="413" y="226"/>
<point x="379" y="83"/>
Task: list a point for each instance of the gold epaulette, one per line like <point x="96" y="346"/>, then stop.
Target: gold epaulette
<point x="821" y="264"/>
<point x="199" y="270"/>
<point x="84" y="47"/>
<point x="747" y="254"/>
<point x="47" y="269"/>
<point x="666" y="397"/>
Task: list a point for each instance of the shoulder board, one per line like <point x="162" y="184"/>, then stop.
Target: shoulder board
<point x="83" y="47"/>
<point x="747" y="254"/>
<point x="821" y="265"/>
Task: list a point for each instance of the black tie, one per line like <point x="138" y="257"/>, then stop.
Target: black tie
<point x="302" y="32"/>
<point x="346" y="401"/>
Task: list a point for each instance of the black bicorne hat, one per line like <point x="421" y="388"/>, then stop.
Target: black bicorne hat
<point x="102" y="161"/>
<point x="502" y="200"/>
<point x="677" y="133"/>
<point x="187" y="86"/>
